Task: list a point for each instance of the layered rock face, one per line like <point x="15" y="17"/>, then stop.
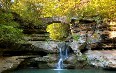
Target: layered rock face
<point x="96" y="36"/>
<point x="40" y="53"/>
<point x="93" y="36"/>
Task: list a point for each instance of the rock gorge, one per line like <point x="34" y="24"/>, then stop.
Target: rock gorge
<point x="94" y="39"/>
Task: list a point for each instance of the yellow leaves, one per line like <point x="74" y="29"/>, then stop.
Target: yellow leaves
<point x="19" y="6"/>
<point x="48" y="8"/>
<point x="30" y="10"/>
<point x="57" y="31"/>
<point x="57" y="7"/>
<point x="103" y="8"/>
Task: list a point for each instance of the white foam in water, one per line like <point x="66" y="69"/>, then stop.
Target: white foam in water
<point x="63" y="56"/>
<point x="60" y="64"/>
<point x="59" y="69"/>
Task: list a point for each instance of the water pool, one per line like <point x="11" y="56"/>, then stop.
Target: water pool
<point x="62" y="71"/>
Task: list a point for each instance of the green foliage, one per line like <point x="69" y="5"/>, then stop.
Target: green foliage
<point x="10" y="34"/>
<point x="75" y="37"/>
<point x="57" y="7"/>
<point x="5" y="4"/>
<point x="84" y="57"/>
<point x="9" y="31"/>
<point x="32" y="10"/>
<point x="58" y="31"/>
<point x="101" y="8"/>
<point x="97" y="19"/>
<point x="29" y="10"/>
<point x="7" y="19"/>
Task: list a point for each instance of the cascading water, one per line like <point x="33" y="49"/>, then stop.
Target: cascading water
<point x="63" y="50"/>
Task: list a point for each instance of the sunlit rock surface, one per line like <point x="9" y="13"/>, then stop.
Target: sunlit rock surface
<point x="105" y="59"/>
<point x="48" y="46"/>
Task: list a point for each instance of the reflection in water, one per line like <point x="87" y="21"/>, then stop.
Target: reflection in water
<point x="62" y="71"/>
<point x="59" y="71"/>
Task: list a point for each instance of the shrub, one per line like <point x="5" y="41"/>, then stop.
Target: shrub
<point x="9" y="29"/>
<point x="9" y="33"/>
<point x="58" y="31"/>
<point x="101" y="8"/>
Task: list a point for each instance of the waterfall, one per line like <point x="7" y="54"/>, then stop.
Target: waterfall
<point x="12" y="1"/>
<point x="63" y="55"/>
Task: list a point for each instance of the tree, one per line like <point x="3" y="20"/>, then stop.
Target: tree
<point x="5" y="4"/>
<point x="58" y="31"/>
<point x="9" y="31"/>
<point x="29" y="10"/>
<point x="101" y="8"/>
<point x="57" y="7"/>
